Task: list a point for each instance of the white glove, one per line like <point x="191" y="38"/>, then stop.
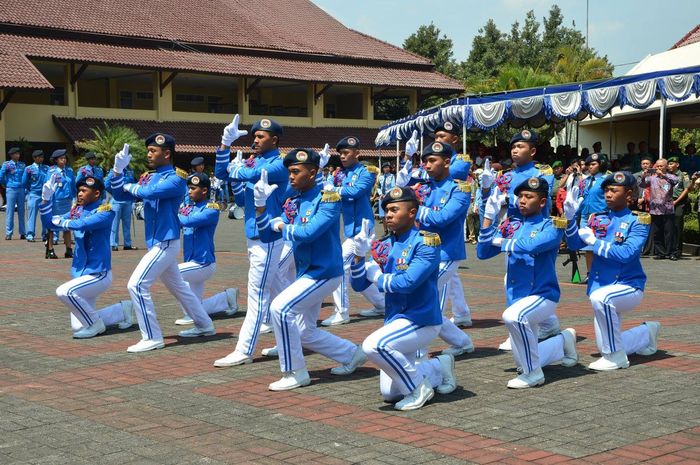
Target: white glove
<point x="262" y="190"/>
<point x="235" y="163"/>
<point x="56" y="220"/>
<point x="231" y="132"/>
<point x="488" y="176"/>
<point x="48" y="189"/>
<point x="122" y="159"/>
<point x="276" y="224"/>
<point x="373" y="271"/>
<point x="572" y="201"/>
<point x="587" y="235"/>
<point x="325" y="156"/>
<point x="362" y="243"/>
<point x="497" y="241"/>
<point x="493" y="206"/>
<point x="216" y="184"/>
<point x="404" y="174"/>
<point x="412" y="144"/>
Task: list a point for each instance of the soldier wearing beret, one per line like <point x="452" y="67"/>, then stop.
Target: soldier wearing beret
<point x="681" y="205"/>
<point x="122" y="212"/>
<point x="313" y="228"/>
<point x="197" y="165"/>
<point x="616" y="282"/>
<point x="63" y="197"/>
<point x="11" y="177"/>
<point x="34" y="177"/>
<point x="91" y="168"/>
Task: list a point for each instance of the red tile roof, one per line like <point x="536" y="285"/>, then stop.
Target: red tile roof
<point x="17" y="72"/>
<point x="226" y="64"/>
<point x="691" y="37"/>
<point x="202" y="138"/>
<point x="285" y="25"/>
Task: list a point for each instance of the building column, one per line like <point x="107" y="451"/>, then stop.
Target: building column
<point x="243" y="101"/>
<point x="163" y="104"/>
<point x="413" y="101"/>
<point x="368" y="111"/>
<point x="315" y="107"/>
<point x="71" y="94"/>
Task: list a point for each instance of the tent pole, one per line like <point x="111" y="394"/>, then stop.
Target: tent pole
<point x="578" y="151"/>
<point x="610" y="136"/>
<point x="662" y="126"/>
<point x="398" y="154"/>
<point x="464" y="138"/>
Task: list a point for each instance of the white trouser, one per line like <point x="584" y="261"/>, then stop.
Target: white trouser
<point x="609" y="303"/>
<point x="264" y="261"/>
<point x="294" y="314"/>
<point x="455" y="292"/>
<point x="548" y="323"/>
<point x="449" y="332"/>
<point x="286" y="272"/>
<point x="522" y="320"/>
<point x="161" y="262"/>
<point x="341" y="298"/>
<point x="393" y="349"/>
<point x="196" y="275"/>
<point x="80" y="296"/>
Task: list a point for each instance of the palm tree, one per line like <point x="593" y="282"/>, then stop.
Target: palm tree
<point x="575" y="64"/>
<point x="511" y="77"/>
<point x="111" y="139"/>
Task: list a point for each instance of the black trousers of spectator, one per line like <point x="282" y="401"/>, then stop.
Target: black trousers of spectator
<point x="678" y="223"/>
<point x="663" y="235"/>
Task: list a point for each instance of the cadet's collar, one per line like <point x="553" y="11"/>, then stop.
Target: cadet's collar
<point x="270" y="153"/>
<point x="199" y="204"/>
<point x="164" y="168"/>
<point x="619" y="213"/>
<point x="353" y="167"/>
<point x="91" y="206"/>
<point x="524" y="167"/>
<point x="598" y="175"/>
<point x="536" y="218"/>
<point x="441" y="182"/>
<point x="403" y="237"/>
<point x="311" y="193"/>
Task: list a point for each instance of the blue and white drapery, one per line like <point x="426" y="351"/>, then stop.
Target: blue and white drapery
<point x="535" y="107"/>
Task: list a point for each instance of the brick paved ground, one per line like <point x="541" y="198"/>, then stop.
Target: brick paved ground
<point x="88" y="402"/>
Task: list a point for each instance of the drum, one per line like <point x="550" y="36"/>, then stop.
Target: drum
<point x="236" y="212"/>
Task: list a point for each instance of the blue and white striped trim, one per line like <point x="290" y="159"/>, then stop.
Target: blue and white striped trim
<point x="572" y="229"/>
<point x="603" y="248"/>
<point x="238" y="188"/>
<point x="422" y="214"/>
<point x="140" y="300"/>
<point x="386" y="355"/>
<point x="607" y="309"/>
<point x="133" y="189"/>
<point x="234" y="170"/>
<point x="263" y="221"/>
<point x="509" y="245"/>
<point x="97" y="278"/>
<point x="64" y="224"/>
<point x="486" y="234"/>
<point x="261" y="315"/>
<point x="46" y="209"/>
<point x="223" y="156"/>
<point x="384" y="282"/>
<point x="288" y="232"/>
<point x="357" y="270"/>
<point x="523" y="333"/>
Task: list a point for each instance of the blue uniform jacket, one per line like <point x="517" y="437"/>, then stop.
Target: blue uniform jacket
<point x="620" y="238"/>
<point x="91" y="227"/>
<point x="509" y="180"/>
<point x="444" y="211"/>
<point x="127" y="177"/>
<point x="531" y="245"/>
<point x="355" y="191"/>
<point x="276" y="174"/>
<point x="11" y="174"/>
<point x="199" y="222"/>
<point x="593" y="196"/>
<point x="314" y="232"/>
<point x="65" y="182"/>
<point x="460" y="166"/>
<point x="162" y="192"/>
<point x="409" y="279"/>
<point x="34" y="177"/>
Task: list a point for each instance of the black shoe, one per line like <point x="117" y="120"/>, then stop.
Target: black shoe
<point x="69" y="253"/>
<point x="673" y="258"/>
<point x="584" y="280"/>
<point x="50" y="253"/>
<point x="115" y="248"/>
<point x="22" y="236"/>
<point x="128" y="247"/>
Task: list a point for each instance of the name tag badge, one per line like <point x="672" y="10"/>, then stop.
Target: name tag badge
<point x="533" y="233"/>
<point x="623" y="225"/>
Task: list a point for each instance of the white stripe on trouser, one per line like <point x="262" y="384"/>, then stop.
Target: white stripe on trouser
<point x="521" y="320"/>
<point x="609" y="303"/>
<point x="264" y="260"/>
<point x="341" y="297"/>
<point x="455" y="294"/>
<point x="294" y="314"/>
<point x="196" y="275"/>
<point x="161" y="262"/>
<point x="80" y="296"/>
<point x="548" y="323"/>
<point x="393" y="349"/>
<point x="449" y="332"/>
<point x="286" y="274"/>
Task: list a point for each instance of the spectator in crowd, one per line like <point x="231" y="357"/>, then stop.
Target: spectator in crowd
<point x="661" y="207"/>
<point x="642" y="196"/>
<point x="558" y="168"/>
<point x="597" y="146"/>
<point x="690" y="163"/>
<point x="681" y="203"/>
<point x="695" y="187"/>
<point x="629" y="159"/>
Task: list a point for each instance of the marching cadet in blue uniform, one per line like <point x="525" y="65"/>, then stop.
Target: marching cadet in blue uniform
<point x="92" y="262"/>
<point x="314" y="231"/>
<point x="91" y="168"/>
<point x="409" y="175"/>
<point x="405" y="269"/>
<point x="264" y="257"/>
<point x="355" y="190"/>
<point x="11" y="177"/>
<point x="385" y="182"/>
<point x="34" y="177"/>
<point x="199" y="218"/>
<point x="122" y="212"/>
<point x="616" y="281"/>
<point x="162" y="192"/>
<point x="531" y="244"/>
<point x="523" y="149"/>
<point x="444" y="203"/>
<point x="62" y="199"/>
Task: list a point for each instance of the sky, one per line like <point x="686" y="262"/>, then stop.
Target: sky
<point x="624" y="30"/>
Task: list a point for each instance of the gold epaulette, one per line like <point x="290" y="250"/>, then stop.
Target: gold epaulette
<point x="643" y="217"/>
<point x="372" y="169"/>
<point x="463" y="157"/>
<point x="213" y="205"/>
<point x="105" y="207"/>
<point x="559" y="222"/>
<point x="181" y="173"/>
<point x="283" y="154"/>
<point x="545" y="169"/>
<point x="430" y="239"/>
<point x="330" y="196"/>
<point x="464" y="186"/>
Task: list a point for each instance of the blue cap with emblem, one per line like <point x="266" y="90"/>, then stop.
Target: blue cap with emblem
<point x="199" y="179"/>
<point x="448" y="127"/>
<point x="58" y="153"/>
<point x="90" y="155"/>
<point x="13" y="150"/>
<point x="437" y="148"/>
<point x="399" y="194"/>
<point x="599" y="157"/>
<point x="159" y="139"/>
<point x="92" y="182"/>
<point x="525" y="135"/>
<point x="268" y="125"/>
<point x="37" y="153"/>
<point x="197" y="161"/>
<point x="619" y="178"/>
<point x="533" y="184"/>
<point x="349" y="142"/>
<point x="302" y="157"/>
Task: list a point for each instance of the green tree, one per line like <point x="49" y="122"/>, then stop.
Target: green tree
<point x="575" y="64"/>
<point x="108" y="141"/>
<point x="428" y="42"/>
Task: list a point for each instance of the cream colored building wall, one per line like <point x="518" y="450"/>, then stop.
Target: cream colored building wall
<point x="614" y="139"/>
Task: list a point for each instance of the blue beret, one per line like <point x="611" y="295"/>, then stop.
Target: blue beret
<point x="38" y="153"/>
<point x="13" y="150"/>
<point x="90" y="155"/>
<point x="449" y="127"/>
<point x="619" y="178"/>
<point x="58" y="153"/>
<point x="399" y="194"/>
<point x="197" y="161"/>
<point x="437" y="148"/>
<point x="302" y="156"/>
<point x="533" y="184"/>
<point x="198" y="179"/>
<point x="161" y="140"/>
<point x="527" y="135"/>
<point x="599" y="157"/>
<point x="268" y="125"/>
<point x="92" y="182"/>
<point x="349" y="142"/>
